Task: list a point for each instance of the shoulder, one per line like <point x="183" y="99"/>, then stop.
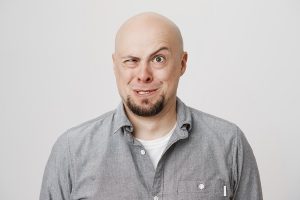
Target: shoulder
<point x="219" y="134"/>
<point x="86" y="132"/>
<point x="91" y="126"/>
<point x="214" y="127"/>
<point x="212" y="121"/>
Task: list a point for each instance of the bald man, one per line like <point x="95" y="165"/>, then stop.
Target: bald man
<point x="152" y="146"/>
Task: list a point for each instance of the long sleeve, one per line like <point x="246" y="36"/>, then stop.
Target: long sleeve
<point x="247" y="184"/>
<point x="57" y="179"/>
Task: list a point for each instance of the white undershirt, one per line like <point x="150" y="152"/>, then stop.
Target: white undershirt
<point x="156" y="147"/>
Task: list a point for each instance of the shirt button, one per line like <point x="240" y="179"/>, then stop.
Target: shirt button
<point x="143" y="152"/>
<point x="155" y="198"/>
<point x="201" y="186"/>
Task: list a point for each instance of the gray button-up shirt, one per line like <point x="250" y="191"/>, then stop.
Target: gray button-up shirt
<point x="207" y="158"/>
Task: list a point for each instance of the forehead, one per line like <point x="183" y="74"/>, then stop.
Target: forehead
<point x="140" y="46"/>
<point x="141" y="36"/>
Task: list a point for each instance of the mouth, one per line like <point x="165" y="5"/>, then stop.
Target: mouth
<point x="145" y="92"/>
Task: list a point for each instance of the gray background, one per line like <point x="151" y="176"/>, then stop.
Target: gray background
<point x="56" y="72"/>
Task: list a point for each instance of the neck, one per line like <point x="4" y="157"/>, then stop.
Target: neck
<point x="149" y="128"/>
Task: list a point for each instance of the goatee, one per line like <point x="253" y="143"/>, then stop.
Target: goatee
<point x="148" y="110"/>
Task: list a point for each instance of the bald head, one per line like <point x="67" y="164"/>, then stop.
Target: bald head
<point x="148" y="25"/>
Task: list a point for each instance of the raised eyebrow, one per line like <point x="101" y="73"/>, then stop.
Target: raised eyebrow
<point x="160" y="49"/>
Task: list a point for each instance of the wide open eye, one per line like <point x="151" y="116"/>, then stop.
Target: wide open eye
<point x="159" y="59"/>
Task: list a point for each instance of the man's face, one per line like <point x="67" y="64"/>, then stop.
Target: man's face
<point x="148" y="64"/>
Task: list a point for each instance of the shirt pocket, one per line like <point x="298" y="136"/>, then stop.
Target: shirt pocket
<point x="203" y="190"/>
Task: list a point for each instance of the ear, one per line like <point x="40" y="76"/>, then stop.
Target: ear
<point x="113" y="56"/>
<point x="184" y="59"/>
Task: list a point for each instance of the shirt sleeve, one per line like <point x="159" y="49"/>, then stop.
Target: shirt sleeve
<point x="247" y="184"/>
<point x="57" y="179"/>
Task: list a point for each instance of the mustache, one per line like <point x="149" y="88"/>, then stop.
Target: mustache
<point x="145" y="87"/>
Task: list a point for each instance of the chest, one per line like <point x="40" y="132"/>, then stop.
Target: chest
<point x="186" y="171"/>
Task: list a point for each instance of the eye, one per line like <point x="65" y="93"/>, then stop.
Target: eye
<point x="159" y="59"/>
<point x="130" y="62"/>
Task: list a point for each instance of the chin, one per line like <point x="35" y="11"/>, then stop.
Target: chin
<point x="145" y="106"/>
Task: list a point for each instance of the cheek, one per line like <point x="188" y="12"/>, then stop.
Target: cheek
<point x="123" y="76"/>
<point x="170" y="81"/>
<point x="170" y="75"/>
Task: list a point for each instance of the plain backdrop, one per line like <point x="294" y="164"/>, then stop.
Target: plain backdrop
<point x="56" y="72"/>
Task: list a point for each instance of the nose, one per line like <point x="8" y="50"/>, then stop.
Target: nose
<point x="145" y="74"/>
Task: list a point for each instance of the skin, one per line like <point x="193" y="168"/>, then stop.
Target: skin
<point x="148" y="63"/>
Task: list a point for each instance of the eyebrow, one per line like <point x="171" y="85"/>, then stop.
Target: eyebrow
<point x="160" y="49"/>
<point x="152" y="54"/>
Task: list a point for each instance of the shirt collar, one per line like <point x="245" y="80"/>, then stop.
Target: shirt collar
<point x="184" y="116"/>
<point x="184" y="119"/>
<point x="120" y="119"/>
